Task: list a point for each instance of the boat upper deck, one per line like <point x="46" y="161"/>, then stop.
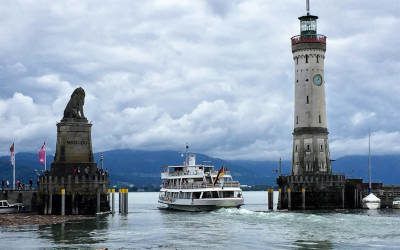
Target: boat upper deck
<point x="190" y="170"/>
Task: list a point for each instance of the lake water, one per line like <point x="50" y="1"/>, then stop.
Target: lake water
<point x="146" y="227"/>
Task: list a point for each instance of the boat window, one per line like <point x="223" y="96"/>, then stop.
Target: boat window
<point x="228" y="194"/>
<point x="214" y="194"/>
<point x="196" y="195"/>
<point x="207" y="195"/>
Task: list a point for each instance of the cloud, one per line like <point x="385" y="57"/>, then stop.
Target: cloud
<point x="215" y="74"/>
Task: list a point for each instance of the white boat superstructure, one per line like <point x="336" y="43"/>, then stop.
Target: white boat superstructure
<point x="198" y="187"/>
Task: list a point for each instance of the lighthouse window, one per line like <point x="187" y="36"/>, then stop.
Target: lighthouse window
<point x="308" y="101"/>
<point x="296" y="148"/>
<point x="322" y="150"/>
<point x="317" y="58"/>
<point x="308" y="147"/>
<point x="297" y="60"/>
<point x="306" y="58"/>
<point x="297" y="119"/>
<point x="319" y="118"/>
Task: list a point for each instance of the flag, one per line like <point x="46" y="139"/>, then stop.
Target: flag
<point x="12" y="154"/>
<point x="221" y="173"/>
<point x="42" y="154"/>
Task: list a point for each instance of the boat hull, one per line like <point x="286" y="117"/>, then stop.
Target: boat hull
<point x="9" y="210"/>
<point x="372" y="205"/>
<point x="396" y="205"/>
<point x="202" y="204"/>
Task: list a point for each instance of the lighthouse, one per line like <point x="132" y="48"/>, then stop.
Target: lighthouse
<point x="311" y="183"/>
<point x="310" y="134"/>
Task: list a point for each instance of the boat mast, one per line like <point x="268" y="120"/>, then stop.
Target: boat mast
<point x="280" y="167"/>
<point x="369" y="161"/>
<point x="187" y="155"/>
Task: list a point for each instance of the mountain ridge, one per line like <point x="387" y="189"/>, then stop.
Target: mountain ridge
<point x="142" y="168"/>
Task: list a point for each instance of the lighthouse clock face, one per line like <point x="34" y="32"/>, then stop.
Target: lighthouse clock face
<point x="317" y="79"/>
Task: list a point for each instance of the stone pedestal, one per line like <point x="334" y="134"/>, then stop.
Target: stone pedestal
<point x="322" y="191"/>
<point x="74" y="148"/>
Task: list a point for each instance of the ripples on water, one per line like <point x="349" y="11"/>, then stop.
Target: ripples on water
<point x="251" y="227"/>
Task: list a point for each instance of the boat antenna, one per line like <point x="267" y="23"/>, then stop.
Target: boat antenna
<point x="280" y="166"/>
<point x="369" y="161"/>
<point x="308" y="7"/>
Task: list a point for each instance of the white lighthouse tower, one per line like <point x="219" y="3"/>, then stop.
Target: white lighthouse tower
<point x="312" y="185"/>
<point x="310" y="135"/>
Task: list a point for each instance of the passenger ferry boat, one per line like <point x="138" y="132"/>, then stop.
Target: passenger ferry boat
<point x="198" y="187"/>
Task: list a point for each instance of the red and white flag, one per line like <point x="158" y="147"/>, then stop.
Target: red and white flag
<point x="42" y="154"/>
<point x="12" y="154"/>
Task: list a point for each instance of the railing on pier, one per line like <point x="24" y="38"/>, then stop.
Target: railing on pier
<point x="319" y="178"/>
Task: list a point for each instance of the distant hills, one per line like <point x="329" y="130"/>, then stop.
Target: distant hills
<point x="142" y="168"/>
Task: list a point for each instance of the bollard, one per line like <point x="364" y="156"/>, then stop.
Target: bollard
<point x="275" y="200"/>
<point x="343" y="198"/>
<point x="112" y="201"/>
<point x="119" y="200"/>
<point x="62" y="201"/>
<point x="303" y="198"/>
<point x="289" y="193"/>
<point x="355" y="198"/>
<point x="50" y="206"/>
<point x="126" y="200"/>
<point x="45" y="204"/>
<point x="123" y="200"/>
<point x="73" y="203"/>
<point x="279" y="199"/>
<point x="98" y="202"/>
<point x="270" y="199"/>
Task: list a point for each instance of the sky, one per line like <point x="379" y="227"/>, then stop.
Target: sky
<point x="216" y="74"/>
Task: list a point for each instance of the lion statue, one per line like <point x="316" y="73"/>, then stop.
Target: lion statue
<point x="74" y="107"/>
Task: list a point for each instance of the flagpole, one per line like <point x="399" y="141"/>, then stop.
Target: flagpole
<point x="45" y="156"/>
<point x="14" y="168"/>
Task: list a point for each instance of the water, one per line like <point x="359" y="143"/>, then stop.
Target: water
<point x="146" y="227"/>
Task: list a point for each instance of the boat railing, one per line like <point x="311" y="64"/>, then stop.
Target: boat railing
<point x="187" y="173"/>
<point x="203" y="185"/>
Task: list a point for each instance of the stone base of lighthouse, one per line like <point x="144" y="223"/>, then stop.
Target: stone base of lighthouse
<point x="319" y="192"/>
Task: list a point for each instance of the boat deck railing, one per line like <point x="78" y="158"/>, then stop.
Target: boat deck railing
<point x="202" y="185"/>
<point x="186" y="173"/>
